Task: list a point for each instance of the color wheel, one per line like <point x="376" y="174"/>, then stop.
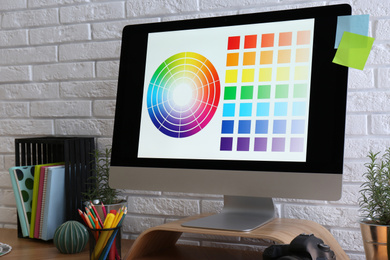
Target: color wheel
<point x="183" y="94"/>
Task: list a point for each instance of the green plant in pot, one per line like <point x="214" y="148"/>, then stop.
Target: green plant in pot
<point x="374" y="203"/>
<point x="100" y="192"/>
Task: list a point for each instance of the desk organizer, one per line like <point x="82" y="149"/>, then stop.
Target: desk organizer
<point x="75" y="152"/>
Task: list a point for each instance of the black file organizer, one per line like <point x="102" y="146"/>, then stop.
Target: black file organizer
<point x="76" y="152"/>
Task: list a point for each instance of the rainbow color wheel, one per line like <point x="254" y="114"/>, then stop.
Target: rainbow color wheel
<point x="183" y="94"/>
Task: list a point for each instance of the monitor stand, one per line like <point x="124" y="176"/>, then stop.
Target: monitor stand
<point x="238" y="214"/>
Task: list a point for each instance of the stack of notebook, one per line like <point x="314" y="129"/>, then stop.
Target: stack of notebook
<point x="40" y="198"/>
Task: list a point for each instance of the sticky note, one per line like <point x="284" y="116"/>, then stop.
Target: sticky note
<point x="351" y="23"/>
<point x="353" y="50"/>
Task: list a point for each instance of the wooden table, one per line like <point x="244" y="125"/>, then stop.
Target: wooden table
<point x="160" y="243"/>
<point x="23" y="248"/>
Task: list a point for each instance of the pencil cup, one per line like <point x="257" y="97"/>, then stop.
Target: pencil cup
<point x="105" y="244"/>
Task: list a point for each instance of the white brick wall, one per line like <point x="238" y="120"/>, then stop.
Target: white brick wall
<point x="59" y="64"/>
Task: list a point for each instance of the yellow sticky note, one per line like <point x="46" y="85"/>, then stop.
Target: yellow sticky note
<point x="353" y="50"/>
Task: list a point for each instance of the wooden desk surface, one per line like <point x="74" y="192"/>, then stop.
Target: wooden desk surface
<point x="23" y="248"/>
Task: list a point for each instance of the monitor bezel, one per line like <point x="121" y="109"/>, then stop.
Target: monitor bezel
<point x="324" y="155"/>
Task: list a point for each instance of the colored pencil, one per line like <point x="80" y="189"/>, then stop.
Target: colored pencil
<point x="97" y="215"/>
<point x="104" y="210"/>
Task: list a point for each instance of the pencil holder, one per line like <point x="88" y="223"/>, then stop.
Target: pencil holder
<point x="105" y="243"/>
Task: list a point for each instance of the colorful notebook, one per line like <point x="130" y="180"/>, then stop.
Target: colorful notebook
<point x="41" y="201"/>
<point x="22" y="179"/>
<point x="54" y="210"/>
<point x="37" y="173"/>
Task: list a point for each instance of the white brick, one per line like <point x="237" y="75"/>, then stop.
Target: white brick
<point x="30" y="91"/>
<point x="89" y="51"/>
<point x="211" y="206"/>
<point x="30" y="18"/>
<point x="382" y="30"/>
<point x="89" y="89"/>
<point x="353" y="171"/>
<point x="12" y="4"/>
<point x="157" y="7"/>
<point x="15" y="74"/>
<point x="13" y="38"/>
<point x="60" y="34"/>
<point x="9" y="160"/>
<point x="28" y="55"/>
<point x="383" y="77"/>
<point x="380" y="54"/>
<point x="26" y="127"/>
<point x="61" y="109"/>
<point x="80" y="127"/>
<point x="361" y="79"/>
<point x="5" y="180"/>
<point x="195" y="16"/>
<point x="108" y="30"/>
<point x="327" y="216"/>
<point x="63" y="71"/>
<point x="368" y="101"/>
<point x="349" y="240"/>
<point x="107" y="69"/>
<point x="92" y="12"/>
<point x="357" y="147"/>
<point x="7" y="145"/>
<point x="286" y="5"/>
<point x="354" y="256"/>
<point x="373" y="7"/>
<point x="103" y="142"/>
<point x="163" y="206"/>
<point x="104" y="108"/>
<point x="7" y="198"/>
<point x="356" y="125"/>
<point x="217" y="4"/>
<point x="380" y="124"/>
<point x="45" y="3"/>
<point x="13" y="109"/>
<point x="137" y="225"/>
<point x="2" y="163"/>
<point x="58" y="94"/>
<point x="8" y="215"/>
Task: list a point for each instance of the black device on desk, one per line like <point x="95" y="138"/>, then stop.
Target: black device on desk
<point x="303" y="247"/>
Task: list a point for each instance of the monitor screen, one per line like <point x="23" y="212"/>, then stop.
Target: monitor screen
<point x="244" y="105"/>
<point x="236" y="104"/>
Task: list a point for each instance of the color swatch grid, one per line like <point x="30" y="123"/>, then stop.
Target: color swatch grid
<point x="266" y="92"/>
<point x="183" y="94"/>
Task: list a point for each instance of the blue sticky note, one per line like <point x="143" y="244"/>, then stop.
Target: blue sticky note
<point x="357" y="24"/>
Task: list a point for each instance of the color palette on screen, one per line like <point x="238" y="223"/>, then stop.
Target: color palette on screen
<point x="266" y="92"/>
<point x="183" y="94"/>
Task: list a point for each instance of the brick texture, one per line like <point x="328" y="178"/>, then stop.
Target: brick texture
<point x="59" y="62"/>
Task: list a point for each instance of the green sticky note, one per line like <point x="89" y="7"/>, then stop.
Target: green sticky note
<point x="353" y="50"/>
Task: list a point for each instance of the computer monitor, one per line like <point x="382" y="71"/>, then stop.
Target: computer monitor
<point x="248" y="106"/>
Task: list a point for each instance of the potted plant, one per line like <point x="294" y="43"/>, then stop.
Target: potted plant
<point x="374" y="203"/>
<point x="100" y="193"/>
